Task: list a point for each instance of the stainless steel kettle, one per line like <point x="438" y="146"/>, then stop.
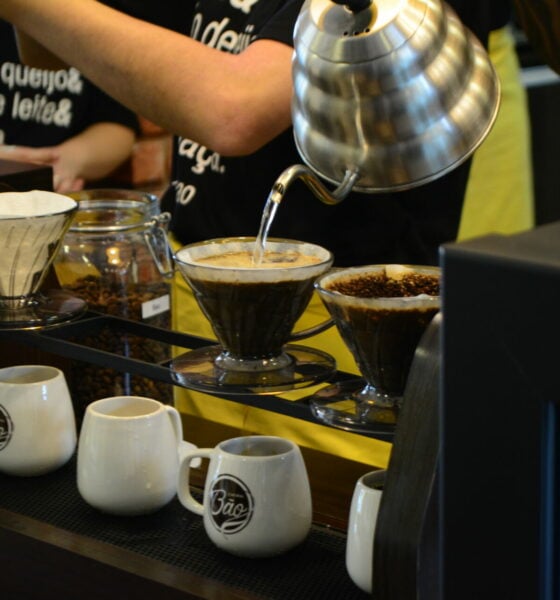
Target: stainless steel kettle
<point x="388" y="95"/>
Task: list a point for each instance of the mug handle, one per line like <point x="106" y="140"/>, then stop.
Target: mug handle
<point x="305" y="333"/>
<point x="310" y="331"/>
<point x="175" y="419"/>
<point x="183" y="487"/>
<point x="316" y="329"/>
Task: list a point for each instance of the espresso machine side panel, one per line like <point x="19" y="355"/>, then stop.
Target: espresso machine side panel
<point x="499" y="424"/>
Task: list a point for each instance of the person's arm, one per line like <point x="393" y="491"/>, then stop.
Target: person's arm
<point x="233" y="104"/>
<point x="90" y="155"/>
<point x="540" y="20"/>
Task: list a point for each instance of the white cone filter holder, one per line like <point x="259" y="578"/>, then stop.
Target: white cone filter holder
<point x="32" y="225"/>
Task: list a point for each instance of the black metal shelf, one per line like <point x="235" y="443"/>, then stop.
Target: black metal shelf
<point x="72" y="340"/>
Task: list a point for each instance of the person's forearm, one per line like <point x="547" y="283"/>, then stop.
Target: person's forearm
<point x="90" y="155"/>
<point x="98" y="151"/>
<point x="540" y="20"/>
<point x="230" y="103"/>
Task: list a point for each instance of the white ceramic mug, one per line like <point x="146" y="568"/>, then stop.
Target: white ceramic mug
<point x="257" y="499"/>
<point x="37" y="423"/>
<point x="128" y="455"/>
<point x="361" y="528"/>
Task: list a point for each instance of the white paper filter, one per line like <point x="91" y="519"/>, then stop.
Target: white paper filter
<point x="31" y="225"/>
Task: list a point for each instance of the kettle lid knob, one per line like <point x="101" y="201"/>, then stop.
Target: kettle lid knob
<point x="354" y="5"/>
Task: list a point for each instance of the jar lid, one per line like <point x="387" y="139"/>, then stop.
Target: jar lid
<point x="102" y="211"/>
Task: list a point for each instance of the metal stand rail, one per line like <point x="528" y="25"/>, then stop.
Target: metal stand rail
<point x="70" y="340"/>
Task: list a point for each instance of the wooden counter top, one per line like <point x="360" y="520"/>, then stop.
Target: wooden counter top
<point x="52" y="544"/>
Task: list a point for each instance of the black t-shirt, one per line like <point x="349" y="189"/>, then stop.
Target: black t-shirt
<point x="482" y="16"/>
<point x="171" y="14"/>
<point x="213" y="196"/>
<point x="39" y="107"/>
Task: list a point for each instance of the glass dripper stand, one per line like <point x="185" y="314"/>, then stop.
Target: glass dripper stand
<point x="381" y="312"/>
<point x="32" y="225"/>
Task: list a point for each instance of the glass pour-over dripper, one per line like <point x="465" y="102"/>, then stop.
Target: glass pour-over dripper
<point x="381" y="312"/>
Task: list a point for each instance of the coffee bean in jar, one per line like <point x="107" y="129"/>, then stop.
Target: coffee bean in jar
<point x="115" y="256"/>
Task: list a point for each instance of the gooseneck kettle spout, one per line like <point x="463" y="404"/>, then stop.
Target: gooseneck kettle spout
<point x="305" y="174"/>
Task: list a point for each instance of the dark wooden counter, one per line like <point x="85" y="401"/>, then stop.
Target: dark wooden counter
<point x="52" y="544"/>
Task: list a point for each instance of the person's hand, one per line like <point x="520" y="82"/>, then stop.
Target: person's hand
<point x="65" y="172"/>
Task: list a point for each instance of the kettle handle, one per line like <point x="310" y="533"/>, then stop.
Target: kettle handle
<point x="354" y="5"/>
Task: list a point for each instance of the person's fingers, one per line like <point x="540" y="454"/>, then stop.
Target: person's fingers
<point x="64" y="185"/>
<point x="27" y="154"/>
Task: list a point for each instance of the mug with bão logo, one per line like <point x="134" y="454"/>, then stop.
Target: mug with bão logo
<point x="37" y="424"/>
<point x="257" y="499"/>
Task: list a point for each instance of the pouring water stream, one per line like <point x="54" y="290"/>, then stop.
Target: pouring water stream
<point x="269" y="212"/>
<point x="279" y="189"/>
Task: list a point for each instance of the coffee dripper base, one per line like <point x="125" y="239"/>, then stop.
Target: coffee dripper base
<point x="44" y="309"/>
<point x="198" y="370"/>
<point x="349" y="405"/>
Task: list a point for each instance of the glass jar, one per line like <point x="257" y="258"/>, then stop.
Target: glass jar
<point x="116" y="257"/>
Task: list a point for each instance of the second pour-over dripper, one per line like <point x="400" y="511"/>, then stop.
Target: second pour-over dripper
<point x="32" y="225"/>
<point x="381" y="312"/>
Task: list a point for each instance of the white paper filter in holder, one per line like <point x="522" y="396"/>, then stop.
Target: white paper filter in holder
<point x="32" y="225"/>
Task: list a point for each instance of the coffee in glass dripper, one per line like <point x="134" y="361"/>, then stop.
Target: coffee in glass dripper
<point x="381" y="312"/>
<point x="252" y="306"/>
